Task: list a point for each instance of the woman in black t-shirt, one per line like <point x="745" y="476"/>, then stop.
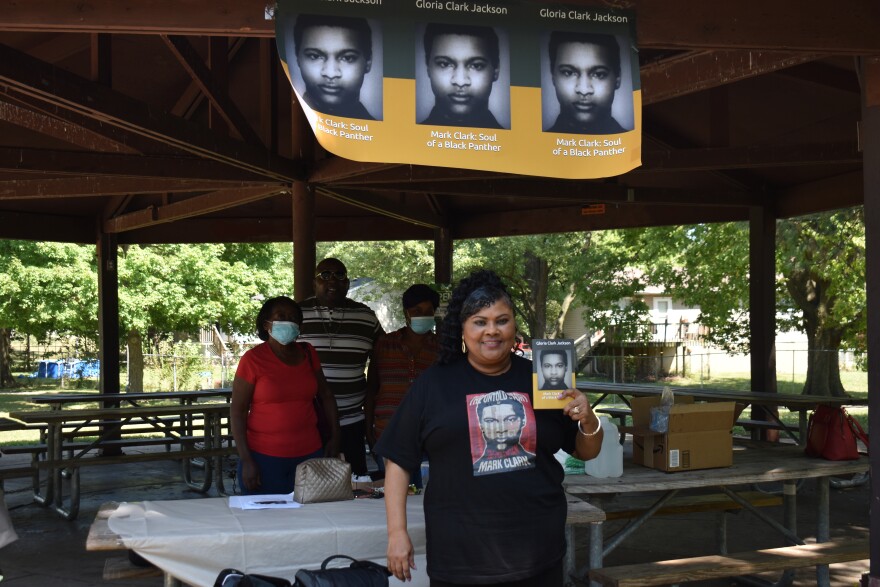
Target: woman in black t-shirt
<point x="495" y="508"/>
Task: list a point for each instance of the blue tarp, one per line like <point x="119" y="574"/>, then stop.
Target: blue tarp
<point x="74" y="368"/>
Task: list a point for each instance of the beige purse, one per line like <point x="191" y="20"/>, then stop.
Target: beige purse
<point x="319" y="480"/>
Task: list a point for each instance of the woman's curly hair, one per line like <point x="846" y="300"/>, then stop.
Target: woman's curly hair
<point x="479" y="290"/>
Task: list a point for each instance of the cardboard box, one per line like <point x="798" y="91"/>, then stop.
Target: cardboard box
<point x="699" y="435"/>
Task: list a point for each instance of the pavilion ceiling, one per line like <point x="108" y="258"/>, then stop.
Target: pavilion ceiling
<point x="171" y="121"/>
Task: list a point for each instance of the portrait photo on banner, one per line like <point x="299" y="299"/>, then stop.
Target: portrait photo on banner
<point x="335" y="64"/>
<point x="462" y="75"/>
<point x="586" y="83"/>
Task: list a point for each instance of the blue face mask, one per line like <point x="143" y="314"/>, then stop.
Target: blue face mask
<point x="422" y="324"/>
<point x="284" y="332"/>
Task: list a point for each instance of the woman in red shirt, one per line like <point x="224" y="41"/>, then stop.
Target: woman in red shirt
<point x="273" y="416"/>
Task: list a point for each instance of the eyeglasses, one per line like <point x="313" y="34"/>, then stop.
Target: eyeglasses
<point x="328" y="275"/>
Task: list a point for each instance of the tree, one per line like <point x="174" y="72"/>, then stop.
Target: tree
<point x="165" y="289"/>
<point x="820" y="284"/>
<point x="45" y="288"/>
<point x="547" y="275"/>
<point x="822" y="257"/>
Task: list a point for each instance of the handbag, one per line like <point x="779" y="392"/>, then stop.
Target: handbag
<point x="832" y="434"/>
<point x="323" y="479"/>
<point x="235" y="578"/>
<point x="357" y="574"/>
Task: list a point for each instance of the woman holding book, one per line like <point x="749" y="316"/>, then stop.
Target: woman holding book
<point x="495" y="508"/>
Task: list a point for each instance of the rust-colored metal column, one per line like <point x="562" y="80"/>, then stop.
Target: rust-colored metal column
<point x="108" y="313"/>
<point x="303" y="147"/>
<point x="869" y="137"/>
<point x="762" y="309"/>
<point x="304" y="249"/>
<point x="442" y="255"/>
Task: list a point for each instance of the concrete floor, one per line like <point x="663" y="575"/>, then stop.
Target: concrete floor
<point x="51" y="552"/>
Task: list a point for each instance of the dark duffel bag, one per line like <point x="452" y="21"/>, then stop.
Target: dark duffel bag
<point x="357" y="574"/>
<point x="235" y="578"/>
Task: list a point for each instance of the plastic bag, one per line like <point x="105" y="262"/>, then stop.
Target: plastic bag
<point x="660" y="414"/>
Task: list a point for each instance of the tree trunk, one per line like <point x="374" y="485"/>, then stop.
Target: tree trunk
<point x="135" y="361"/>
<point x="536" y="275"/>
<point x="823" y="367"/>
<point x="810" y="293"/>
<point x="6" y="379"/>
<point x="567" y="302"/>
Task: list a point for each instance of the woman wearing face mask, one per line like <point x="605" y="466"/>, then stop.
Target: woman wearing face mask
<point x="401" y="356"/>
<point x="272" y="415"/>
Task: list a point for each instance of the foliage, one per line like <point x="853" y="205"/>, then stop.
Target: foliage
<point x="546" y="274"/>
<point x="702" y="265"/>
<point x="48" y="288"/>
<point x="822" y="257"/>
<point x="395" y="264"/>
<point x="820" y="262"/>
<point x="181" y="369"/>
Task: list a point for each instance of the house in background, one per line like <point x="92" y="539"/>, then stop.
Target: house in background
<point x="663" y="347"/>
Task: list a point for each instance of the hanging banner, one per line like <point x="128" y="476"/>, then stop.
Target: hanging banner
<point x="516" y="87"/>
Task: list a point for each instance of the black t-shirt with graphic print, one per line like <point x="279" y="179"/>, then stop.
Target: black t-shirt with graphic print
<point x="506" y="522"/>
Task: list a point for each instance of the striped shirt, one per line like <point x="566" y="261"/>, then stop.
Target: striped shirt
<point x="344" y="339"/>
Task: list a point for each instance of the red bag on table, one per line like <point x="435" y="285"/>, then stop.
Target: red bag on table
<point x="832" y="434"/>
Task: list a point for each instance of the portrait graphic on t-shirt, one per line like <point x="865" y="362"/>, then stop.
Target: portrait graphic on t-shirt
<point x="502" y="431"/>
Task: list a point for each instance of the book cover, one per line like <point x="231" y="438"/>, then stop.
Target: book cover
<point x="553" y="369"/>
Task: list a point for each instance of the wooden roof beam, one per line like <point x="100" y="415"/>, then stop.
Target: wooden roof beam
<point x="548" y="190"/>
<point x="189" y="58"/>
<point x="371" y="203"/>
<point x="571" y="218"/>
<point x="64" y="89"/>
<point x="46" y="227"/>
<point x="102" y="185"/>
<point x="192" y="96"/>
<point x="702" y="70"/>
<point x="846" y="190"/>
<point x="60" y="129"/>
<point x="195" y="206"/>
<point x="805" y="25"/>
<point x="115" y="164"/>
<point x="98" y="128"/>
<point x="247" y="230"/>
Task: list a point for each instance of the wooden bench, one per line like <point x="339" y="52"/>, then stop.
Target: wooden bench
<point x="63" y="460"/>
<point x="580" y="513"/>
<point x="689" y="504"/>
<point x="743" y="563"/>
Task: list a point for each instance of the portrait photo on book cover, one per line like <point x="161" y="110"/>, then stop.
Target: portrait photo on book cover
<point x="502" y="432"/>
<point x="554" y="369"/>
<point x="586" y="84"/>
<point x="462" y="76"/>
<point x="335" y="64"/>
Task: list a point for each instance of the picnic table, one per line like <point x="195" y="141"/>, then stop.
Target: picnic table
<point x="786" y="464"/>
<point x="186" y="441"/>
<point x="57" y="401"/>
<point x="799" y="403"/>
<point x="192" y="540"/>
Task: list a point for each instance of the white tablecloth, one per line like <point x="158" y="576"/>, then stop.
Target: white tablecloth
<point x="195" y="539"/>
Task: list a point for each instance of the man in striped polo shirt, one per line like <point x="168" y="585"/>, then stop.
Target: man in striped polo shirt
<point x="343" y="332"/>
